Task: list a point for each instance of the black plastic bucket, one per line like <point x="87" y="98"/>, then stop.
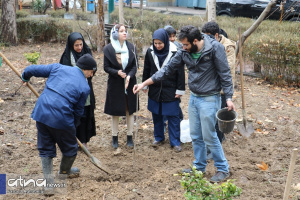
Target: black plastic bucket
<point x="226" y="120"/>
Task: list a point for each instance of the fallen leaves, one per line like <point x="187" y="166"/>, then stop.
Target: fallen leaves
<point x="263" y="166"/>
<point x="145" y="126"/>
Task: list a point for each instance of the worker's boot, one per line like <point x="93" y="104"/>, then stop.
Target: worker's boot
<point x="66" y="167"/>
<point x="115" y="143"/>
<point x="47" y="167"/>
<point x="129" y="141"/>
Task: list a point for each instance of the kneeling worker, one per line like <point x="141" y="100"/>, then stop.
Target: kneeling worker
<point x="58" y="110"/>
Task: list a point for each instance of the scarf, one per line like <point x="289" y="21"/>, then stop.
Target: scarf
<point x="162" y="35"/>
<point x="70" y="55"/>
<point x="118" y="49"/>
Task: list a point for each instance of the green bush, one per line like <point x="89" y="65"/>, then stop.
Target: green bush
<point x="79" y="14"/>
<point x="32" y="57"/>
<point x="199" y="188"/>
<point x="39" y="6"/>
<point x="22" y="13"/>
<point x="56" y="13"/>
<point x="43" y="29"/>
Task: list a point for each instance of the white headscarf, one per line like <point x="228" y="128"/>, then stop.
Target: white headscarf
<point x="123" y="50"/>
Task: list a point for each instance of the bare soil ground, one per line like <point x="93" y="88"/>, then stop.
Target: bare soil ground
<point x="148" y="174"/>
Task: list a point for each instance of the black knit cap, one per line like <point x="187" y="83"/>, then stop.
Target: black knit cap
<point x="87" y="62"/>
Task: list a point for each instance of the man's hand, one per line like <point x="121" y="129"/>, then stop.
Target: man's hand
<point x="230" y="105"/>
<point x="121" y="73"/>
<point x="137" y="88"/>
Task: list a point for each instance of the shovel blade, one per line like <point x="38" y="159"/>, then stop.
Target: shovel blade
<point x="98" y="164"/>
<point x="245" y="130"/>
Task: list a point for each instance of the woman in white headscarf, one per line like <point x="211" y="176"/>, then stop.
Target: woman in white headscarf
<point x="120" y="62"/>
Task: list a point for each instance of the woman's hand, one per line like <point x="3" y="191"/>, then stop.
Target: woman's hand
<point x="177" y="96"/>
<point x="121" y="73"/>
<point x="127" y="82"/>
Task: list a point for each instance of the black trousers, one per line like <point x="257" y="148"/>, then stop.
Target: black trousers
<point x="48" y="137"/>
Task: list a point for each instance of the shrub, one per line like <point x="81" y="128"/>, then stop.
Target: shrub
<point x="32" y="57"/>
<point x="22" y="13"/>
<point x="197" y="187"/>
<point x="56" y="13"/>
<point x="43" y="29"/>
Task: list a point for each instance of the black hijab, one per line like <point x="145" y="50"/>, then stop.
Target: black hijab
<point x="162" y="35"/>
<point x="65" y="58"/>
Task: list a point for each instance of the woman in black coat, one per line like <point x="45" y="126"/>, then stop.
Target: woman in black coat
<point x="164" y="96"/>
<point x="75" y="48"/>
<point x="120" y="62"/>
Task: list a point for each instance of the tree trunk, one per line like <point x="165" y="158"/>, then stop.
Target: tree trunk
<point x="211" y="10"/>
<point x="83" y="5"/>
<point x="141" y="7"/>
<point x="100" y="25"/>
<point x="8" y="23"/>
<point x="67" y="6"/>
<point x="121" y="12"/>
<point x="130" y="3"/>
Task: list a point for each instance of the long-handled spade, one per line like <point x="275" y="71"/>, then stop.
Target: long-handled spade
<point x="94" y="160"/>
<point x="245" y="128"/>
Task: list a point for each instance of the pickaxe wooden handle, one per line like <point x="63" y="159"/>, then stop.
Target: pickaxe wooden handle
<point x="18" y="73"/>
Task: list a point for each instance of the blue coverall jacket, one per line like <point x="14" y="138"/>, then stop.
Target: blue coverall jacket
<point x="63" y="99"/>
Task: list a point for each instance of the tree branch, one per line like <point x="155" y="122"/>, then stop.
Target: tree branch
<point x="254" y="26"/>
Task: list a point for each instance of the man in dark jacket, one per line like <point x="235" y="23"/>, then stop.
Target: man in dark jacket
<point x="208" y="74"/>
<point x="58" y="110"/>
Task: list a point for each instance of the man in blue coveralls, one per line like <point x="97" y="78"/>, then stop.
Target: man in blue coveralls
<point x="58" y="110"/>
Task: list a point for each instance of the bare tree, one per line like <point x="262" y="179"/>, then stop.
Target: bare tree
<point x="254" y="26"/>
<point x="211" y="10"/>
<point x="8" y="22"/>
<point x="121" y="12"/>
<point x="100" y="25"/>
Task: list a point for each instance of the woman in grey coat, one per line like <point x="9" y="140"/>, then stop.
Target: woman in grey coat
<point x="120" y="62"/>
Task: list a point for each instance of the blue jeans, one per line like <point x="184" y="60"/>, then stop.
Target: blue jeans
<point x="202" y="117"/>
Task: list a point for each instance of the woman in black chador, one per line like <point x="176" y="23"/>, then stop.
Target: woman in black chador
<point x="75" y="48"/>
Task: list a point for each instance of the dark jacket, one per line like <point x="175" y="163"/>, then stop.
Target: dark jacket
<point x="64" y="96"/>
<point x="115" y="103"/>
<point x="163" y="91"/>
<point x="208" y="75"/>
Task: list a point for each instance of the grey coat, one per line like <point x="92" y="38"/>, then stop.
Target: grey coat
<point x="208" y="75"/>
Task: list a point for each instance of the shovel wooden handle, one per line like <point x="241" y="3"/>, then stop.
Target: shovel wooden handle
<point x="18" y="73"/>
<point x="290" y="175"/>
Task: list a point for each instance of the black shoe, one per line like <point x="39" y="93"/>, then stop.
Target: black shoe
<point x="66" y="167"/>
<point x="129" y="141"/>
<point x="157" y="143"/>
<point x="115" y="143"/>
<point x="219" y="177"/>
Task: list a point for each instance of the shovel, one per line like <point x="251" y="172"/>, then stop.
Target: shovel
<point x="94" y="160"/>
<point x="245" y="128"/>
